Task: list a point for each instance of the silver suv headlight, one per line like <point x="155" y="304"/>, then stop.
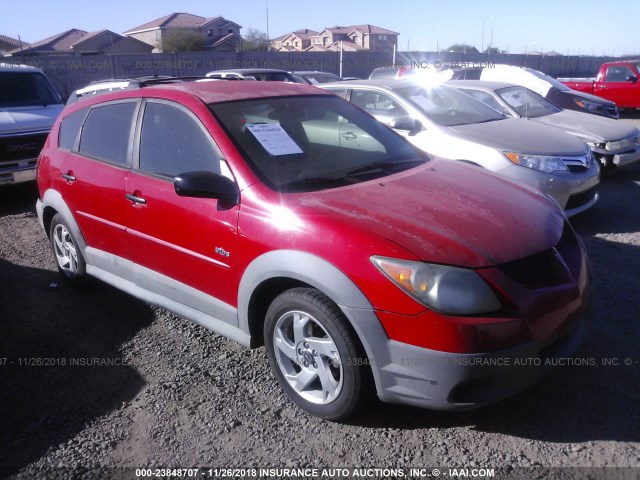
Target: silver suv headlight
<point x="592" y="107"/>
<point x="451" y="290"/>
<point x="544" y="163"/>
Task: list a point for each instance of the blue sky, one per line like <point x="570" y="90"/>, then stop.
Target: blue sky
<point x="568" y="26"/>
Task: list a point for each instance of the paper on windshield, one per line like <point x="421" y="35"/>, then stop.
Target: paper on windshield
<point x="518" y="76"/>
<point x="424" y="102"/>
<point x="274" y="139"/>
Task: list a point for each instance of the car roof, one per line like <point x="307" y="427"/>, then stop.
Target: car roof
<point x="249" y="70"/>
<point x="388" y="83"/>
<point x="220" y="91"/>
<point x="484" y="84"/>
<point x="17" y="67"/>
<point x="312" y="72"/>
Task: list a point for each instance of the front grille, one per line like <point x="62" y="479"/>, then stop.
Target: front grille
<point x="21" y="147"/>
<point x="581" y="198"/>
<point x="576" y="168"/>
<point x="534" y="269"/>
<point x="551" y="267"/>
<point x="578" y="163"/>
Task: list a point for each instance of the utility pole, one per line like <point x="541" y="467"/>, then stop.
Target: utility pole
<point x="268" y="37"/>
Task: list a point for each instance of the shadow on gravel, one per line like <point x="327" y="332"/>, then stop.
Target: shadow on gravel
<point x="60" y="361"/>
<point x="19" y="198"/>
<point x="596" y="397"/>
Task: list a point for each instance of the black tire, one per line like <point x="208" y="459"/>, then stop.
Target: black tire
<point x="335" y="372"/>
<point x="68" y="256"/>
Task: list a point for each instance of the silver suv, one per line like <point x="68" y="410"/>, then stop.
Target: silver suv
<point x="453" y="125"/>
<point x="28" y="107"/>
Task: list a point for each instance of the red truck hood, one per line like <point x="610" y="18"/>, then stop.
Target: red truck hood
<point x="450" y="213"/>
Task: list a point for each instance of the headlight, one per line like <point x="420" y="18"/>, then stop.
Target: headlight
<point x="544" y="163"/>
<point x="630" y="142"/>
<point x="451" y="290"/>
<point x="592" y="107"/>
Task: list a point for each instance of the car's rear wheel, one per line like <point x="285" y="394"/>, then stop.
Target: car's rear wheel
<point x="68" y="256"/>
<point x="314" y="354"/>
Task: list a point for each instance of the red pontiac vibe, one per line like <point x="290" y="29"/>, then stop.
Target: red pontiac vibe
<point x="280" y="215"/>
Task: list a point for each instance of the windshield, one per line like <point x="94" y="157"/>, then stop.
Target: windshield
<point x="19" y="89"/>
<point x="447" y="106"/>
<point x="526" y="102"/>
<point x="554" y="83"/>
<point x="314" y="142"/>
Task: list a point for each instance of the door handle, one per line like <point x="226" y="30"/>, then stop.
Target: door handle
<point x="69" y="176"/>
<point x="349" y="136"/>
<point x="135" y="198"/>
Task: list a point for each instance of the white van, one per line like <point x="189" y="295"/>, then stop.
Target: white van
<point x="28" y="107"/>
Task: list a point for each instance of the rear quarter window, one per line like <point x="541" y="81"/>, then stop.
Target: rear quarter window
<point x="107" y="131"/>
<point x="70" y="128"/>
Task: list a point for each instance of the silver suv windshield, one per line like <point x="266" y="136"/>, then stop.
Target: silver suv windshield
<point x="306" y="143"/>
<point x="527" y="103"/>
<point x="447" y="106"/>
<point x="554" y="83"/>
<point x="20" y="89"/>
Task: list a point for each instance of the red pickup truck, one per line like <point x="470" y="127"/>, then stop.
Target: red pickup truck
<point x="616" y="81"/>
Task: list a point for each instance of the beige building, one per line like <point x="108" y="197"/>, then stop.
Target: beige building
<point x="353" y="38"/>
<point x="294" y="41"/>
<point x="79" y="42"/>
<point x="218" y="33"/>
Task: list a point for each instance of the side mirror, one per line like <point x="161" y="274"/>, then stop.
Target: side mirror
<point x="410" y="124"/>
<point x="632" y="79"/>
<point x="205" y="184"/>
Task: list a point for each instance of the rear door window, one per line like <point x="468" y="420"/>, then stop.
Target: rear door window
<point x="106" y="134"/>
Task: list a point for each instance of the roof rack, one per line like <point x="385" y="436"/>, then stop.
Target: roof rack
<point x="98" y="87"/>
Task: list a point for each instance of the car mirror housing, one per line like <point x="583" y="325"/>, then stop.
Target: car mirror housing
<point x="406" y="123"/>
<point x="205" y="184"/>
<point x="632" y="79"/>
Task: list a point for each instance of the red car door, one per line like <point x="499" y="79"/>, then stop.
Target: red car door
<point x="93" y="171"/>
<point x="190" y="240"/>
<point x="617" y="86"/>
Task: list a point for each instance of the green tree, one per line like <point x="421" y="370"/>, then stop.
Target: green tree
<point x="255" y="41"/>
<point x="462" y="48"/>
<point x="183" y="41"/>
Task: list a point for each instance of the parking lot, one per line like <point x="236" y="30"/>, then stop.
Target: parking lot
<point x="94" y="378"/>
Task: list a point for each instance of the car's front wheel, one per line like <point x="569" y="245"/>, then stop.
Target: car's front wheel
<point x="314" y="354"/>
<point x="65" y="248"/>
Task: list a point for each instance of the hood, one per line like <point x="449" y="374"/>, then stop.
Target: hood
<point x="522" y="136"/>
<point x="592" y="128"/>
<point x="28" y="119"/>
<point x="448" y="212"/>
<point x="587" y="96"/>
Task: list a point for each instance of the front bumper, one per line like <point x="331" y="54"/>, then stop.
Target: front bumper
<point x="626" y="158"/>
<point x="619" y="159"/>
<point x="575" y="192"/>
<point x="411" y="375"/>
<point x="448" y="381"/>
<point x="9" y="176"/>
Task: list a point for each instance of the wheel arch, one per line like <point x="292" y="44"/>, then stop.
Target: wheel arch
<point x="52" y="204"/>
<point x="275" y="272"/>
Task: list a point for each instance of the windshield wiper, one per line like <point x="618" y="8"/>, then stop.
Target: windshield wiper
<point x="383" y="167"/>
<point x="315" y="182"/>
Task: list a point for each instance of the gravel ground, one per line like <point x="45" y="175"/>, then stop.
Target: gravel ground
<point x="95" y="379"/>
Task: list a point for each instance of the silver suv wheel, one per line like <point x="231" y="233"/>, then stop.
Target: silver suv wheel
<point x="308" y="357"/>
<point x="315" y="355"/>
<point x="65" y="248"/>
